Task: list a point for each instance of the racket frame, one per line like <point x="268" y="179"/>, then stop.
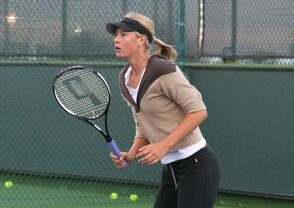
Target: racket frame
<point x="109" y="140"/>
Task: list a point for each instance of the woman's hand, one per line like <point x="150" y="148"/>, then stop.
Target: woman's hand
<point x="120" y="162"/>
<point x="152" y="153"/>
<point x="129" y="156"/>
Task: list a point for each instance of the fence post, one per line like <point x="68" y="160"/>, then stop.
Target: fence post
<point x="64" y="31"/>
<point x="234" y="29"/>
<point x="181" y="34"/>
<point x="6" y="29"/>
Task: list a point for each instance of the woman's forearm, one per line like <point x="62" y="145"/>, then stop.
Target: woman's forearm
<point x="138" y="143"/>
<point x="190" y="122"/>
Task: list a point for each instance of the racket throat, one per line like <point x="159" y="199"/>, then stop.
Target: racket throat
<point x="108" y="138"/>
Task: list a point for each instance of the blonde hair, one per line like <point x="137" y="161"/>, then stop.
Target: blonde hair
<point x="162" y="48"/>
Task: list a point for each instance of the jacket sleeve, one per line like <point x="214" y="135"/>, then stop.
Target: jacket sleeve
<point x="138" y="132"/>
<point x="177" y="88"/>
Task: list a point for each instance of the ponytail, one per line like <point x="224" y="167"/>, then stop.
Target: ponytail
<point x="165" y="50"/>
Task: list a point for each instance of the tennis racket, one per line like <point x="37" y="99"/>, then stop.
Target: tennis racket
<point x="83" y="93"/>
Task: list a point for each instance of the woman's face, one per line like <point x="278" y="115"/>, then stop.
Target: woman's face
<point x="127" y="44"/>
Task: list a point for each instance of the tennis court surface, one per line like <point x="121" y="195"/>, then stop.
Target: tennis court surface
<point x="54" y="192"/>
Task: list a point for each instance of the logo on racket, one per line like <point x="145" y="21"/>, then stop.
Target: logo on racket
<point x="76" y="82"/>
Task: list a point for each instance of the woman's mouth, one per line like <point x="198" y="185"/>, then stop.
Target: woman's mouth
<point x="117" y="49"/>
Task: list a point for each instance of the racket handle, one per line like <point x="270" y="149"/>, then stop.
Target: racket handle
<point x="114" y="149"/>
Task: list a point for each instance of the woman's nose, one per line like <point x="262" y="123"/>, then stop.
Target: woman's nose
<point x="115" y="39"/>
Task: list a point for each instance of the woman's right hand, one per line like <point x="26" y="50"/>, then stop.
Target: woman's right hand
<point x="120" y="162"/>
<point x="128" y="157"/>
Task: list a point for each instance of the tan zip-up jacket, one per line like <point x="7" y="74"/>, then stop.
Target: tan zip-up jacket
<point x="165" y="96"/>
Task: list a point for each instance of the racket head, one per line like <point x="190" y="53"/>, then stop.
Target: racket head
<point x="82" y="92"/>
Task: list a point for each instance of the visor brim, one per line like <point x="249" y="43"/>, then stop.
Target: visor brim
<point x="112" y="27"/>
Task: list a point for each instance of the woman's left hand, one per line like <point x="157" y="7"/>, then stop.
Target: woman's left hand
<point x="151" y="153"/>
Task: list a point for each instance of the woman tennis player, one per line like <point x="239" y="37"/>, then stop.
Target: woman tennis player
<point x="167" y="112"/>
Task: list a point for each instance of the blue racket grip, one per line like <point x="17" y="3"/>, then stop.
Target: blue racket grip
<point x="114" y="149"/>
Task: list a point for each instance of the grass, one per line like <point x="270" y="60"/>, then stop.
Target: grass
<point x="226" y="200"/>
<point x="50" y="192"/>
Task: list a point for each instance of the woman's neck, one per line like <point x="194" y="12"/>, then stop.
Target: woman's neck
<point x="138" y="63"/>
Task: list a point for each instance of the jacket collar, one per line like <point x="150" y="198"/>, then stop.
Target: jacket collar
<point x="156" y="67"/>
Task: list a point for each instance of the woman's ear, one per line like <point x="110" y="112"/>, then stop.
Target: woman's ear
<point x="143" y="39"/>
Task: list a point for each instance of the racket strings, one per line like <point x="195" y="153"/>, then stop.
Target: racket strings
<point x="82" y="93"/>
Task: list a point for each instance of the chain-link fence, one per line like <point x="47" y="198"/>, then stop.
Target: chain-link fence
<point x="248" y="29"/>
<point x="197" y="28"/>
<point x="72" y="28"/>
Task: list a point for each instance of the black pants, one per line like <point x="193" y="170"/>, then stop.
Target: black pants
<point x="191" y="182"/>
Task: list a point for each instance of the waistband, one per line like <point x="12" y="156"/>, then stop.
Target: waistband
<point x="192" y="157"/>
